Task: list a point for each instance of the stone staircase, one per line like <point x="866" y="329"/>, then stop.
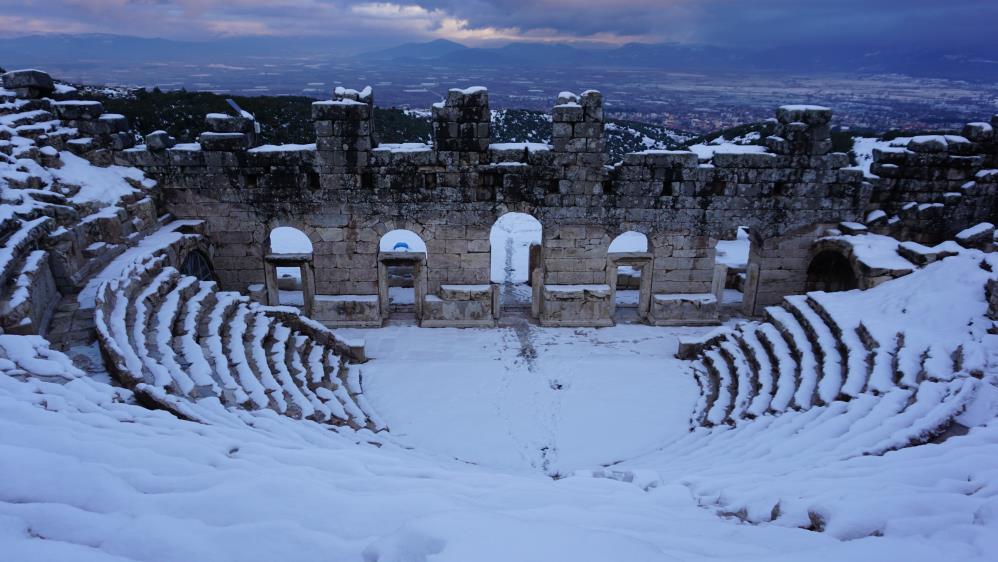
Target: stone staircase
<point x="177" y="340"/>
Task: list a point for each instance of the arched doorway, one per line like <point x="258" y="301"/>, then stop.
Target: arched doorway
<point x="516" y="251"/>
<point x="289" y="270"/>
<point x="197" y="264"/>
<point x="401" y="276"/>
<point x="731" y="259"/>
<point x="628" y="273"/>
<point x="830" y="271"/>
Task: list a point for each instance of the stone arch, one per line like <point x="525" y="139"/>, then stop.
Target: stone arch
<point x="401" y="240"/>
<point x="831" y="270"/>
<point x="401" y="271"/>
<point x="307" y="230"/>
<point x="516" y="242"/>
<point x="629" y="267"/>
<point x="198" y="264"/>
<point x="631" y="240"/>
<point x="289" y="269"/>
<point x="384" y="227"/>
<point x="732" y="254"/>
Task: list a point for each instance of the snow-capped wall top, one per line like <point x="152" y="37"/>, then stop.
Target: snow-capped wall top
<point x="470" y="91"/>
<point x="364" y="95"/>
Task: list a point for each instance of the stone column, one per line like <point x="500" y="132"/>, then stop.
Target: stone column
<point x="577" y="136"/>
<point x="344" y="131"/>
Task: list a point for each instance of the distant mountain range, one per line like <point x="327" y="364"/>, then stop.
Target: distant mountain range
<point x="930" y="61"/>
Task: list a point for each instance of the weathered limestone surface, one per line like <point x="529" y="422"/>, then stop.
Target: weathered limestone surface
<point x="346" y="192"/>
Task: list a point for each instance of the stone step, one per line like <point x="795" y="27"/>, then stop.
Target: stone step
<point x="745" y="384"/>
<point x="298" y="404"/>
<point x="720" y="411"/>
<point x="855" y="364"/>
<point x="257" y="341"/>
<point x="190" y="355"/>
<point x="142" y="329"/>
<point x="213" y="343"/>
<point x="234" y="335"/>
<point x="785" y="367"/>
<point x="825" y="345"/>
<point x="882" y="361"/>
<point x="296" y="370"/>
<point x="162" y="337"/>
<point x="708" y="393"/>
<point x="800" y="347"/>
<point x="761" y="361"/>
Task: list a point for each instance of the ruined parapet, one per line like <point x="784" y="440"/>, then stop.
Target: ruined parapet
<point x="462" y="124"/>
<point x="31" y="84"/>
<point x="577" y="139"/>
<point x="344" y="130"/>
<point x="228" y="133"/>
<point x="157" y="141"/>
<point x="983" y="135"/>
<point x="801" y="130"/>
<point x="101" y="133"/>
<point x="936" y="185"/>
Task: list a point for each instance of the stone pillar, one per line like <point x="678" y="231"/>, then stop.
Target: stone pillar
<point x="344" y="131"/>
<point x="577" y="136"/>
<point x="462" y="126"/>
<point x="801" y="130"/>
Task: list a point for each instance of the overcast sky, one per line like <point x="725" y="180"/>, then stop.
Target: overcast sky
<point x="748" y="23"/>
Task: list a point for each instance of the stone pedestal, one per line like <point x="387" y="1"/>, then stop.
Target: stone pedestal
<point x="348" y="311"/>
<point x="684" y="310"/>
<point x="576" y="305"/>
<point x="462" y="306"/>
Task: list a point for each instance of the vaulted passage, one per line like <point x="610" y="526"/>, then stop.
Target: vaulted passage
<point x="830" y="271"/>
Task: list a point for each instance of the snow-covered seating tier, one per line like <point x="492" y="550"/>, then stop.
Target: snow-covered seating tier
<point x="817" y="349"/>
<point x="850" y="469"/>
<point x="174" y="339"/>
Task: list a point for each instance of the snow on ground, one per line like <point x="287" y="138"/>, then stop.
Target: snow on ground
<point x="85" y="475"/>
<point x="589" y="397"/>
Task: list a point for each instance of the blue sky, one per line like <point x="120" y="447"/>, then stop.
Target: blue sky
<point x="748" y="23"/>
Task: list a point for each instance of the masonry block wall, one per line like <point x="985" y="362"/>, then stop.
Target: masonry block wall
<point x="346" y="192"/>
<point x="937" y="185"/>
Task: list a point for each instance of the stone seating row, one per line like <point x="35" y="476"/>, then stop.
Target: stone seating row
<point x="165" y="333"/>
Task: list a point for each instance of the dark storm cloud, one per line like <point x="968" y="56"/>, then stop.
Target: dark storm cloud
<point x="731" y="22"/>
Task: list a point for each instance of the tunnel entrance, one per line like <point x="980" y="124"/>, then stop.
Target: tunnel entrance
<point x="830" y="271"/>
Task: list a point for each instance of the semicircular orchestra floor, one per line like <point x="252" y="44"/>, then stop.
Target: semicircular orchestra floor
<point x="530" y="398"/>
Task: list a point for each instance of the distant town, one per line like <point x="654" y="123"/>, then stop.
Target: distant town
<point x="698" y="103"/>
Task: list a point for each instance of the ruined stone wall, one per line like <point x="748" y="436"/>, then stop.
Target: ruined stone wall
<point x="937" y="185"/>
<point x="345" y="193"/>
